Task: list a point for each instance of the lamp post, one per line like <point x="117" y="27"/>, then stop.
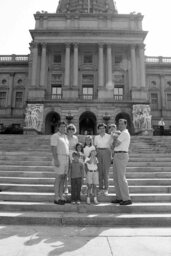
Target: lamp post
<point x="106" y="118"/>
<point x="69" y="117"/>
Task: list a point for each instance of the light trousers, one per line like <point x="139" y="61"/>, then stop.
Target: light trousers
<point x="120" y="162"/>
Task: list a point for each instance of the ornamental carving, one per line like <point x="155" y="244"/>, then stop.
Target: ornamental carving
<point x="141" y="117"/>
<point x="34" y="116"/>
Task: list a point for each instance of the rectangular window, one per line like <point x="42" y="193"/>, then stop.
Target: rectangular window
<point x="88" y="58"/>
<point x="19" y="100"/>
<point x="57" y="59"/>
<point x="154" y="101"/>
<point x="56" y="92"/>
<point x="3" y="98"/>
<point x="118" y="59"/>
<point x="87" y="92"/>
<point x="169" y="100"/>
<point x="88" y="86"/>
<point x="118" y="92"/>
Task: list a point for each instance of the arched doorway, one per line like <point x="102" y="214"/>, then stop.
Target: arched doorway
<point x="126" y="116"/>
<point x="51" y="122"/>
<point x="87" y="123"/>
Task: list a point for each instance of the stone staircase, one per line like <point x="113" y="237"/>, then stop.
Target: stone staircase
<point x="26" y="183"/>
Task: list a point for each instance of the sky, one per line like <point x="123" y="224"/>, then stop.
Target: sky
<point x="16" y="18"/>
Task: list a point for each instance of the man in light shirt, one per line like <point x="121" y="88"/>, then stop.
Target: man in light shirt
<point x="60" y="152"/>
<point x="161" y="124"/>
<point x="103" y="143"/>
<point x="120" y="162"/>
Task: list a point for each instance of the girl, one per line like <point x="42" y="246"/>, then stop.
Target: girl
<point x="92" y="176"/>
<point x="87" y="145"/>
<point x="79" y="149"/>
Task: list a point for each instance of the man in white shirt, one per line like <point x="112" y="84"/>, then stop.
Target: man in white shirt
<point x="161" y="124"/>
<point x="103" y="143"/>
<point x="60" y="152"/>
<point x="120" y="162"/>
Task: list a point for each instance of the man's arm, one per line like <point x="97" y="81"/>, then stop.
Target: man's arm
<point x="55" y="156"/>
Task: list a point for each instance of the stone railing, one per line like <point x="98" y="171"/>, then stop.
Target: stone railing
<point x="14" y="58"/>
<point x="157" y="60"/>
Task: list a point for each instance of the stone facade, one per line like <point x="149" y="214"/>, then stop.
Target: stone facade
<point x="86" y="65"/>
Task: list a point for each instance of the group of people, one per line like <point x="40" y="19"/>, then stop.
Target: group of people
<point x="74" y="161"/>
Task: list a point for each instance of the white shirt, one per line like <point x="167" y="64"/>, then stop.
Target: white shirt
<point x="161" y="123"/>
<point x="124" y="138"/>
<point x="103" y="141"/>
<point x="87" y="150"/>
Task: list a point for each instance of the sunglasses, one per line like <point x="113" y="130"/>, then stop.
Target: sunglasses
<point x="71" y="129"/>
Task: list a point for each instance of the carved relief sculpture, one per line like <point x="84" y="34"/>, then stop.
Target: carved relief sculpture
<point x="34" y="116"/>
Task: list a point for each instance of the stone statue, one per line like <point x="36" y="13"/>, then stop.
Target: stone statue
<point x="141" y="117"/>
<point x="34" y="116"/>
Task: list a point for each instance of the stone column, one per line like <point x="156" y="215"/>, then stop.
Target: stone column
<point x="11" y="86"/>
<point x="75" y="83"/>
<point x="101" y="66"/>
<point x="43" y="65"/>
<point x="109" y="65"/>
<point x="34" y="63"/>
<point x="142" y="65"/>
<point x="67" y="65"/>
<point x="162" y="93"/>
<point x="133" y="67"/>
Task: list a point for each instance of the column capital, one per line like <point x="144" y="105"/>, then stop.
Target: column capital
<point x="75" y="45"/>
<point x="34" y="45"/>
<point x="67" y="45"/>
<point x="100" y="45"/>
<point x="44" y="45"/>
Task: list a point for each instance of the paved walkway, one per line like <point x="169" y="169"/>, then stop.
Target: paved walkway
<point x="84" y="241"/>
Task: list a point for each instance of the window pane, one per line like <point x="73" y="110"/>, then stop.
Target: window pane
<point x="56" y="92"/>
<point x="19" y="99"/>
<point x="3" y="99"/>
<point x="88" y="59"/>
<point x="169" y="100"/>
<point x="57" y="58"/>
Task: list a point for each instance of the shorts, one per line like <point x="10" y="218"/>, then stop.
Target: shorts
<point x="92" y="178"/>
<point x="64" y="165"/>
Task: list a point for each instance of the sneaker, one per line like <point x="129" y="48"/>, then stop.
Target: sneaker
<point x="95" y="200"/>
<point x="66" y="191"/>
<point x="88" y="200"/>
<point x="127" y="202"/>
<point x="73" y="202"/>
<point x="78" y="202"/>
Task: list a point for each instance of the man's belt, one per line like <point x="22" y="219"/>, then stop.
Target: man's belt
<point x="120" y="152"/>
<point x="102" y="148"/>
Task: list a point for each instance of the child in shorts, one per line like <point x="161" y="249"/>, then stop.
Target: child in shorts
<point x="92" y="175"/>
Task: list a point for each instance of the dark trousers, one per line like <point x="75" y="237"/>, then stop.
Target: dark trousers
<point x="76" y="189"/>
<point x="161" y="130"/>
<point x="104" y="158"/>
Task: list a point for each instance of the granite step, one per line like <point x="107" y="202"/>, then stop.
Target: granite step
<point x="43" y="188"/>
<point x="8" y="206"/>
<point x="85" y="219"/>
<point x="46" y="181"/>
<point x="49" y="197"/>
<point x="50" y="174"/>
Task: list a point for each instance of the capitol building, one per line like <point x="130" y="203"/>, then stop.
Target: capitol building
<point x="86" y="65"/>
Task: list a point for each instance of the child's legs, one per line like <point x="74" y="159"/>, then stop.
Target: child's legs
<point x="78" y="189"/>
<point x="89" y="186"/>
<point x="73" y="189"/>
<point x="94" y="190"/>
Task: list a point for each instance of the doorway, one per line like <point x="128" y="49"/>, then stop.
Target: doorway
<point x="87" y="123"/>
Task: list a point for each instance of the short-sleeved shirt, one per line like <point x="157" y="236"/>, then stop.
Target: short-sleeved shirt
<point x="124" y="138"/>
<point x="60" y="141"/>
<point x="91" y="166"/>
<point x="87" y="150"/>
<point x="77" y="170"/>
<point x="103" y="141"/>
<point x="72" y="142"/>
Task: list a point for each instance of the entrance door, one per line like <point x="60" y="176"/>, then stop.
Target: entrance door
<point x="51" y="122"/>
<point x="87" y="123"/>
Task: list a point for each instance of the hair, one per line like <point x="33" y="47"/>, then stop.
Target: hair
<point x="124" y="120"/>
<point x="79" y="144"/>
<point x="71" y="126"/>
<point x="91" y="139"/>
<point x="101" y="125"/>
<point x="112" y="125"/>
<point x="61" y="123"/>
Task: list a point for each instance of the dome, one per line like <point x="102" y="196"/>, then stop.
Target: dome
<point x="86" y="6"/>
